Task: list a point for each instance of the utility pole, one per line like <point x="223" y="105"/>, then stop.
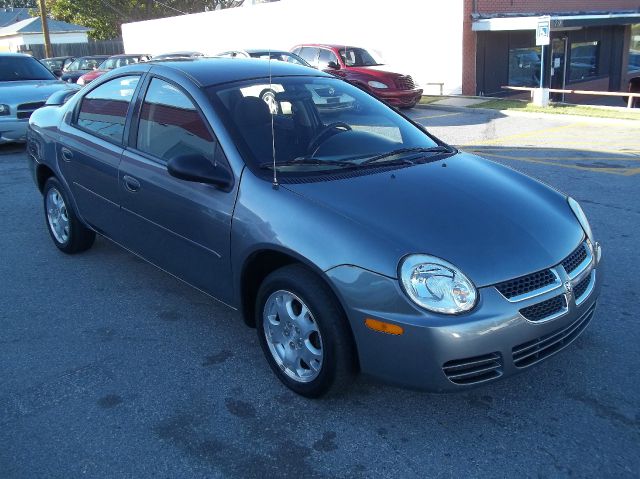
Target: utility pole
<point x="45" y="28"/>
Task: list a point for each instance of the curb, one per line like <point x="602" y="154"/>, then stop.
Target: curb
<point x="534" y="115"/>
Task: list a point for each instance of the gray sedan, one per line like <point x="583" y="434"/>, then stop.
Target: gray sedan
<point x="25" y="85"/>
<point x="364" y="244"/>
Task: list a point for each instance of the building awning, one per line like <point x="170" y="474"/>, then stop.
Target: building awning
<point x="558" y="22"/>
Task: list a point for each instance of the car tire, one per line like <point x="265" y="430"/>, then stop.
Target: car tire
<point x="66" y="230"/>
<point x="312" y="354"/>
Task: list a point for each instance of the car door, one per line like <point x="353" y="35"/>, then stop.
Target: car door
<point x="89" y="149"/>
<point x="181" y="226"/>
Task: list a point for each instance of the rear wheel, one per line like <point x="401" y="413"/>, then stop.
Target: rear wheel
<point x="304" y="333"/>
<point x="66" y="230"/>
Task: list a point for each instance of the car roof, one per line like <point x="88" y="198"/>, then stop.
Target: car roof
<point x="217" y="70"/>
<point x="7" y="54"/>
<point x="326" y="45"/>
<point x="59" y="58"/>
<point x="266" y="50"/>
<point x="129" y="55"/>
<point x="92" y="56"/>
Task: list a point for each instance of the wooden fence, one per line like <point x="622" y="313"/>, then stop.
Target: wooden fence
<point x="100" y="47"/>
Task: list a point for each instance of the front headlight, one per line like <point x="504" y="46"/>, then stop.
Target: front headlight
<point x="4" y="110"/>
<point x="581" y="217"/>
<point x="377" y="84"/>
<point x="436" y="285"/>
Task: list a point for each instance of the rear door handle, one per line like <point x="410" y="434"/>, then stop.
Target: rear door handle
<point x="130" y="183"/>
<point x="66" y="154"/>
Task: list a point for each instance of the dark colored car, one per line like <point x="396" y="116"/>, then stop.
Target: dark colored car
<point x="357" y="66"/>
<point x="362" y="243"/>
<point x="82" y="65"/>
<point x="58" y="64"/>
<point x="178" y="55"/>
<point x="109" y="64"/>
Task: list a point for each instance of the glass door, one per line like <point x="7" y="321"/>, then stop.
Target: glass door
<point x="558" y="67"/>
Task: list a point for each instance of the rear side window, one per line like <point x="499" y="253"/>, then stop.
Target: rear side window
<point x="310" y="54"/>
<point x="103" y="111"/>
<point x="170" y="125"/>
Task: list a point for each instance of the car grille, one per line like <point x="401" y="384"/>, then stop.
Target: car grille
<point x="525" y="284"/>
<point x="405" y="83"/>
<point x="532" y="352"/>
<point x="26" y="109"/>
<point x="574" y="259"/>
<point x="546" y="309"/>
<point x="474" y="370"/>
<point x="581" y="290"/>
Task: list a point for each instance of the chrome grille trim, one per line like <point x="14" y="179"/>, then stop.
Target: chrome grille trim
<point x="564" y="309"/>
<point x="532" y="352"/>
<point x="474" y="370"/>
<point x="537" y="292"/>
<point x="584" y="264"/>
<point x="587" y="292"/>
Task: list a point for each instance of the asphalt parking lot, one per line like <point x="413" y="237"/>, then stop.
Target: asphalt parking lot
<point x="111" y="368"/>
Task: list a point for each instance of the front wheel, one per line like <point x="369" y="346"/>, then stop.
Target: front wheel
<point x="304" y="333"/>
<point x="66" y="230"/>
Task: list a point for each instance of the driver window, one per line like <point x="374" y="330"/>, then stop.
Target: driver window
<point x="171" y="125"/>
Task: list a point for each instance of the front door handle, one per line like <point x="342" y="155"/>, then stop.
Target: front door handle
<point x="66" y="154"/>
<point x="130" y="183"/>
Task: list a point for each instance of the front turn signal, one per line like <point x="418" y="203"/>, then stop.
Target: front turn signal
<point x="383" y="327"/>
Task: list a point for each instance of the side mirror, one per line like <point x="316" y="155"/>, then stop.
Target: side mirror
<point x="197" y="168"/>
<point x="333" y="65"/>
<point x="57" y="72"/>
<point x="61" y="97"/>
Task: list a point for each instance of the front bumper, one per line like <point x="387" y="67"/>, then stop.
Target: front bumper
<point x="13" y="130"/>
<point x="399" y="98"/>
<point x="448" y="353"/>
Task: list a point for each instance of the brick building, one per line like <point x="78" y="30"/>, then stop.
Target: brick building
<point x="595" y="44"/>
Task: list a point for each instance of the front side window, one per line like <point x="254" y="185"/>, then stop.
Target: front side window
<point x="584" y="59"/>
<point x="524" y="66"/>
<point x="87" y="63"/>
<point x="170" y="125"/>
<point x="634" y="48"/>
<point x="103" y="111"/>
<point x="316" y="125"/>
<point x="325" y="57"/>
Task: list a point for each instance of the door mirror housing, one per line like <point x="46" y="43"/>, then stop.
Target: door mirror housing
<point x="197" y="168"/>
<point x="333" y="65"/>
<point x="57" y="72"/>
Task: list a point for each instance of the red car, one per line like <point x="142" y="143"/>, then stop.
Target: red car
<point x="357" y="66"/>
<point x="109" y="64"/>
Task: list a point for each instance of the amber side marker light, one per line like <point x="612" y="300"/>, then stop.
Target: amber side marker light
<point x="383" y="327"/>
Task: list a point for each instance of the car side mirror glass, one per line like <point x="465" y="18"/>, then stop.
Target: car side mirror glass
<point x="57" y="72"/>
<point x="197" y="168"/>
<point x="333" y="65"/>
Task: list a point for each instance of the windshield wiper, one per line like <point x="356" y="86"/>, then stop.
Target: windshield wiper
<point x="308" y="161"/>
<point x="433" y="149"/>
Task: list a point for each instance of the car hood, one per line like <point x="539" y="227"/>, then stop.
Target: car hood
<point x="30" y="90"/>
<point x="489" y="220"/>
<point x="377" y="71"/>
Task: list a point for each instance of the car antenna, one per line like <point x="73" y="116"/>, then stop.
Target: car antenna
<point x="273" y="135"/>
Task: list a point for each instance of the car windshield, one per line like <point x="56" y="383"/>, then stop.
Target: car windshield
<point x="53" y="64"/>
<point x="23" y="68"/>
<point x="87" y="63"/>
<point x="357" y="57"/>
<point x="319" y="124"/>
<point x="281" y="56"/>
<point x="112" y="63"/>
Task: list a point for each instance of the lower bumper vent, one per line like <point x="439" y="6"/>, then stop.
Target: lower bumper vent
<point x="532" y="352"/>
<point x="474" y="370"/>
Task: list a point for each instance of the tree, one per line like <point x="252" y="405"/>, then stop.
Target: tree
<point x="104" y="17"/>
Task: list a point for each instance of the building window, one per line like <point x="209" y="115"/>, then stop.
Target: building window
<point x="584" y="61"/>
<point x="634" y="48"/>
<point x="524" y="66"/>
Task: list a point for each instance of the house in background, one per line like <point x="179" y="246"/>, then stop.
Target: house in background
<point x="13" y="15"/>
<point x="19" y="35"/>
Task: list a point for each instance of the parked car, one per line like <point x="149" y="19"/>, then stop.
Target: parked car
<point x="82" y="65"/>
<point x="325" y="98"/>
<point x="58" y="65"/>
<point x="25" y="85"/>
<point x="363" y="243"/>
<point x="110" y="63"/>
<point x="359" y="67"/>
<point x="178" y="55"/>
